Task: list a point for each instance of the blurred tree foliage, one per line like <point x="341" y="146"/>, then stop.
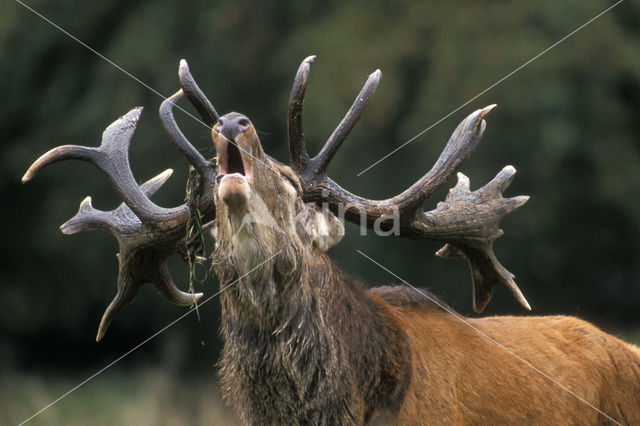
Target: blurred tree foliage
<point x="569" y="122"/>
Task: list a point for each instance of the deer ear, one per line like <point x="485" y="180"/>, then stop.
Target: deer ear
<point x="330" y="230"/>
<point x="324" y="228"/>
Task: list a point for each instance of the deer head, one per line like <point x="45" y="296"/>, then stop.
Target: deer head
<point x="261" y="215"/>
<point x="258" y="207"/>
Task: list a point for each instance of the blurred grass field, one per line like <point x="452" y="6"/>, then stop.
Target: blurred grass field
<point x="140" y="397"/>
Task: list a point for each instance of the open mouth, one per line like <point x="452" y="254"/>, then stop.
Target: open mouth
<point x="233" y="178"/>
<point x="232" y="162"/>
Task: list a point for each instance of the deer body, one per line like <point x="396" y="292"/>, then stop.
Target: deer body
<point x="306" y="344"/>
<point x="461" y="377"/>
<point x="344" y="355"/>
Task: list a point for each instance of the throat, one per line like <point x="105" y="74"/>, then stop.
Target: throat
<point x="268" y="277"/>
<point x="314" y="346"/>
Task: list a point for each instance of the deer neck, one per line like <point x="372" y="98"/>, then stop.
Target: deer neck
<point x="312" y="344"/>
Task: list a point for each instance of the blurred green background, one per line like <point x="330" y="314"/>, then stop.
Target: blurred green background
<point x="569" y="122"/>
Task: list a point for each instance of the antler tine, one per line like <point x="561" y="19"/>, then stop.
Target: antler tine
<point x="460" y="146"/>
<point x="205" y="169"/>
<point x="297" y="151"/>
<point x="170" y="125"/>
<point x="196" y="96"/>
<point x="112" y="158"/>
<point x="116" y="222"/>
<point x="137" y="266"/>
<point x="65" y="152"/>
<point x="322" y="160"/>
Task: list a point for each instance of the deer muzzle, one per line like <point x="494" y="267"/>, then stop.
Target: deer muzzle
<point x="234" y="138"/>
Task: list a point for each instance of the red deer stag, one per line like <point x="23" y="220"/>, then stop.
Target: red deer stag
<point x="306" y="344"/>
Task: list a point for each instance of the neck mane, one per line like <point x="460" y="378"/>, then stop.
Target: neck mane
<point x="313" y="348"/>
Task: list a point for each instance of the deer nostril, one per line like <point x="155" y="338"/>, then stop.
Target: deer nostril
<point x="232" y="125"/>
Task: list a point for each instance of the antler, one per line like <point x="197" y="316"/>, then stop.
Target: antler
<point x="467" y="222"/>
<point x="147" y="234"/>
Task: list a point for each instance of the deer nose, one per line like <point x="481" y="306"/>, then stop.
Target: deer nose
<point x="232" y="125"/>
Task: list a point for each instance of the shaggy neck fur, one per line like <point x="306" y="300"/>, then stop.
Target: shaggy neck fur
<point x="304" y="344"/>
<point x="327" y="354"/>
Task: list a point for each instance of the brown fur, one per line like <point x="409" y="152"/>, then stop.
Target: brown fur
<point x="459" y="376"/>
<point x="305" y="344"/>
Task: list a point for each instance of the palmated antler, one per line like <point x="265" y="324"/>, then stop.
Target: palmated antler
<point x="467" y="222"/>
<point x="147" y="234"/>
